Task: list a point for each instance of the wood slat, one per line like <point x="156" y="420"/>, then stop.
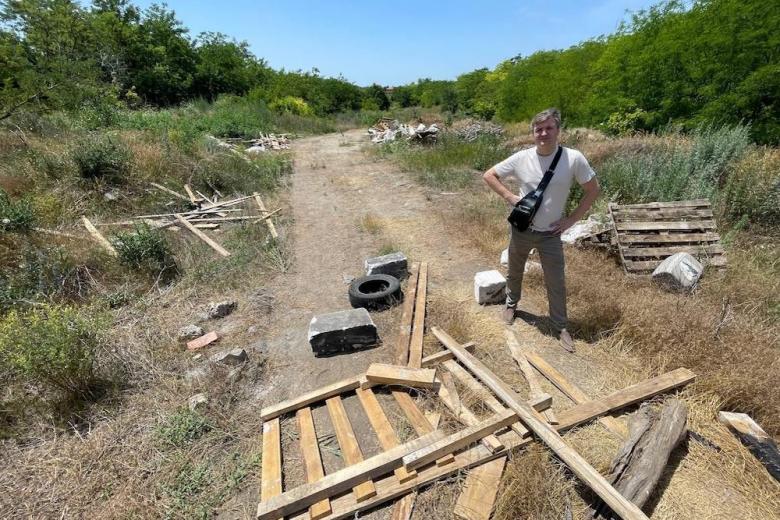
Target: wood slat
<point x="200" y="234"/>
<point x="418" y="420"/>
<point x="350" y="449"/>
<point x="418" y="328"/>
<point x="449" y="396"/>
<point x="402" y="509"/>
<point x="382" y="373"/>
<point x="407" y="315"/>
<point x="381" y="425"/>
<point x="310" y="450"/>
<point x="389" y="488"/>
<point x="550" y="437"/>
<point x="572" y="391"/>
<point x="669" y="238"/>
<point x="479" y="491"/>
<point x="98" y="237"/>
<point x="695" y="203"/>
<point x="665" y="226"/>
<point x="650" y="265"/>
<point x="695" y="250"/>
<point x="625" y="215"/>
<point x="528" y="372"/>
<point x="271" y="471"/>
<point x="268" y="221"/>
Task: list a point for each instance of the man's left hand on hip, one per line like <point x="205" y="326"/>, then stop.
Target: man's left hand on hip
<point x="559" y="226"/>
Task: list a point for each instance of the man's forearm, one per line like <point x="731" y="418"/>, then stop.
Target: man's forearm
<point x="492" y="180"/>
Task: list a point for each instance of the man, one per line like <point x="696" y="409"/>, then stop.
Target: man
<point x="528" y="167"/>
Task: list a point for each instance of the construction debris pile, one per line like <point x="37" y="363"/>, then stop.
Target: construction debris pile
<point x="386" y="130"/>
<point x="470" y="129"/>
<point x="252" y="146"/>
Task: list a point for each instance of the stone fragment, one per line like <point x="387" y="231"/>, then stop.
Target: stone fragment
<point x="230" y="357"/>
<point x="221" y="309"/>
<point x="583" y="229"/>
<point x="394" y="264"/>
<point x="197" y="401"/>
<point x="342" y="331"/>
<point x="189" y="332"/>
<point x="253" y="150"/>
<point x="489" y="287"/>
<point x="680" y="272"/>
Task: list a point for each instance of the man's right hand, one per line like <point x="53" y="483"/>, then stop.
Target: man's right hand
<point x="513" y="199"/>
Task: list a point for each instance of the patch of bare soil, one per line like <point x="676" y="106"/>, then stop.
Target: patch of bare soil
<point x="347" y="207"/>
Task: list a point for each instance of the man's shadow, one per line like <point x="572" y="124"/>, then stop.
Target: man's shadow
<point x="542" y="323"/>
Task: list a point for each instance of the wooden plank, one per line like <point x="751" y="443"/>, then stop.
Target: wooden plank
<point x="664" y="226"/>
<point x="207" y="226"/>
<point x="190" y="194"/>
<point x="98" y="237"/>
<point x="307" y="494"/>
<point x="670" y="238"/>
<point x="381" y="425"/>
<point x="339" y="387"/>
<point x="350" y="449"/>
<point x="483" y="393"/>
<point x="458" y="440"/>
<point x="403" y="508"/>
<point x="417" y="419"/>
<point x="760" y="444"/>
<point x="204" y="340"/>
<point x="476" y="500"/>
<point x="200" y="234"/>
<point x="696" y="250"/>
<point x="650" y="265"/>
<point x="418" y="329"/>
<point x="694" y="203"/>
<point x="271" y="471"/>
<point x="572" y="391"/>
<point x="544" y="431"/>
<point x="269" y="222"/>
<point x="527" y="371"/>
<point x="626" y="215"/>
<point x="310" y="450"/>
<point x="407" y="315"/>
<point x="382" y="373"/>
<point x="389" y="488"/>
<point x="170" y="191"/>
<point x="449" y="396"/>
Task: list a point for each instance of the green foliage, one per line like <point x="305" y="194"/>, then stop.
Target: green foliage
<point x="15" y="216"/>
<point x="291" y="105"/>
<point x="99" y="156"/>
<point x="52" y="346"/>
<point x="183" y="427"/>
<point x="145" y="249"/>
<point x="231" y="172"/>
<point x="678" y="170"/>
<point x="752" y="190"/>
<point x="375" y="98"/>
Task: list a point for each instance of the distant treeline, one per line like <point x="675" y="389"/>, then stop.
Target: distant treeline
<point x="61" y="54"/>
<point x="705" y="62"/>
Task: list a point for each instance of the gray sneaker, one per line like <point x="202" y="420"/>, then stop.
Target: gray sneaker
<point x="566" y="341"/>
<point x="509" y="315"/>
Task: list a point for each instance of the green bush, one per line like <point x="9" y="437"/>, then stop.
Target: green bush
<point x="292" y="105"/>
<point x="15" y="216"/>
<point x="230" y="172"/>
<point x="144" y="249"/>
<point x="752" y="190"/>
<point x="102" y="157"/>
<point x="52" y="346"/>
<point x="183" y="427"/>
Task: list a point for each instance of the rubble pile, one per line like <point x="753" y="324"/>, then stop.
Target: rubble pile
<point x="470" y="129"/>
<point x="386" y="130"/>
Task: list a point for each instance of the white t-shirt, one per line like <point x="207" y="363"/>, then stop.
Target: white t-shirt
<point x="527" y="167"/>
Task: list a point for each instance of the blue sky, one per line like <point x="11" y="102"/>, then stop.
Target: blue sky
<point x="398" y="42"/>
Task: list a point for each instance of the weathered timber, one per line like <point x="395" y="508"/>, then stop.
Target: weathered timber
<point x="527" y="371"/>
<point x="418" y="329"/>
<point x="98" y="237"/>
<point x="653" y="435"/>
<point x="417" y="419"/>
<point x="760" y="444"/>
<point x="269" y="222"/>
<point x="271" y="473"/>
<point x="449" y="396"/>
<point x="200" y="234"/>
<point x="312" y="460"/>
<point x="407" y="315"/>
<point x="476" y="500"/>
<point x="350" y="449"/>
<point x="381" y="373"/>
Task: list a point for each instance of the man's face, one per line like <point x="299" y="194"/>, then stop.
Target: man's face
<point x="546" y="133"/>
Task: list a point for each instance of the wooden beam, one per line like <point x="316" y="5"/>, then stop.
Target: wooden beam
<point x="417" y="419"/>
<point x="307" y="494"/>
<point x="384" y="374"/>
<point x="528" y="372"/>
<point x="201" y="235"/>
<point x="572" y="391"/>
<point x="476" y="500"/>
<point x="444" y="355"/>
<point x="190" y="194"/>
<point x="384" y="430"/>
<point x="389" y="488"/>
<point x="449" y="396"/>
<point x="760" y="444"/>
<point x="98" y="237"/>
<point x="418" y="330"/>
<point x="271" y="472"/>
<point x="458" y="440"/>
<point x="170" y="191"/>
<point x="350" y="449"/>
<point x="407" y="315"/>
<point x="310" y="450"/>
<point x="269" y="222"/>
<point x="580" y="467"/>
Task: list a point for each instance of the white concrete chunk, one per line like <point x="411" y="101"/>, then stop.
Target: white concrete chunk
<point x="505" y="258"/>
<point x="680" y="272"/>
<point x="342" y="331"/>
<point x="489" y="287"/>
<point x="394" y="264"/>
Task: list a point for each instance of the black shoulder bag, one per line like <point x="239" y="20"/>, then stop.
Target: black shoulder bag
<point x="523" y="213"/>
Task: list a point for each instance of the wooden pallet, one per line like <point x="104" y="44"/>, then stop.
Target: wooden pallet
<point x="647" y="234"/>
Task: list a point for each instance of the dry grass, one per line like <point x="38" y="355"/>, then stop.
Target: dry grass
<point x="372" y="224"/>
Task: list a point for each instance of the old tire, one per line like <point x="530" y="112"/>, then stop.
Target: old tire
<point x="375" y="291"/>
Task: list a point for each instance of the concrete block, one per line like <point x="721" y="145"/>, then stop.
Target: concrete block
<point x="394" y="264"/>
<point x="489" y="287"/>
<point x="342" y="331"/>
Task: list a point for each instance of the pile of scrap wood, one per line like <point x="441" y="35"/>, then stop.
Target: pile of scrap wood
<point x="208" y="213"/>
<point x="260" y="144"/>
<point x="470" y="129"/>
<point x="386" y="130"/>
<point x="480" y="446"/>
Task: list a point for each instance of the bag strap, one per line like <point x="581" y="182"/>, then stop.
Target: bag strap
<point x="550" y="171"/>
